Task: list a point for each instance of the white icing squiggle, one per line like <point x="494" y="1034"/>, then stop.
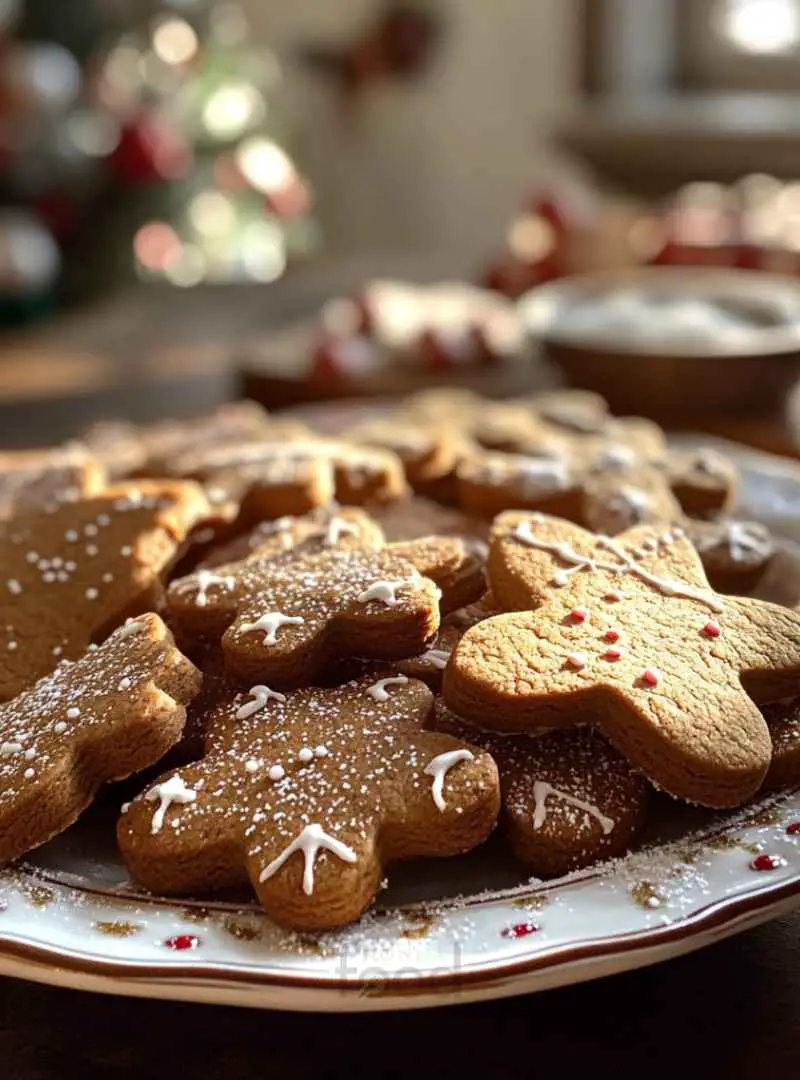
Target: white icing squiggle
<point x="271" y="623"/>
<point x="311" y="840"/>
<point x="203" y="579"/>
<point x="261" y="695"/>
<point x="576" y="562"/>
<point x="541" y="789"/>
<point x="378" y="690"/>
<point x="439" y="768"/>
<point x="437" y="657"/>
<point x="385" y="591"/>
<point x="338" y="528"/>
<point x="171" y="791"/>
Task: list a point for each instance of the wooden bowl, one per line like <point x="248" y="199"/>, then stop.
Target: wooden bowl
<point x="745" y="370"/>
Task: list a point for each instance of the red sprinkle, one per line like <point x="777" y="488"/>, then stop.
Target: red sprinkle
<point x="768" y="862"/>
<point x="520" y="929"/>
<point x="579" y="614"/>
<point x="651" y="677"/>
<point x="181" y="942"/>
<point x="613" y="654"/>
<point x="711" y="630"/>
<point x="793" y="828"/>
<point x="612" y="635"/>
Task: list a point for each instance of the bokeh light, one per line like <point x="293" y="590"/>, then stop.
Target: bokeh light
<point x="232" y="109"/>
<point x="174" y="41"/>
<point x="265" y="165"/>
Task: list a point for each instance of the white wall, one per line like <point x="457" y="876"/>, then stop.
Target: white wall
<point x="443" y="162"/>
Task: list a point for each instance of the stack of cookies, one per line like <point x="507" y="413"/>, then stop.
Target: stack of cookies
<point x="351" y="651"/>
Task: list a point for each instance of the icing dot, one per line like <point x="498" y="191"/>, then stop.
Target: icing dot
<point x="560" y="578"/>
<point x="60" y="727"/>
<point x="56" y="563"/>
<point x="125" y="684"/>
<point x="613" y="654"/>
<point x="577" y="660"/>
<point x="276" y="772"/>
<point x="108" y="577"/>
<point x="32" y="557"/>
<point x="519" y="930"/>
<point x="651" y="676"/>
<point x="91" y="593"/>
<point x="73" y="713"/>
<point x="677" y="533"/>
<point x="71" y="535"/>
<point x="126" y="550"/>
<point x="90" y="529"/>
<point x="30" y="754"/>
<point x="711" y="629"/>
<point x="578" y="615"/>
<point x="611" y="635"/>
<point x="29" y="774"/>
<point x="306" y="754"/>
<point x="48" y="577"/>
<point x="321" y="751"/>
<point x="251" y="765"/>
<point x="12" y="645"/>
<point x="103" y="519"/>
<point x="92" y="549"/>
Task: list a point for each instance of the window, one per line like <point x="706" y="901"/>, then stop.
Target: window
<point x="741" y="44"/>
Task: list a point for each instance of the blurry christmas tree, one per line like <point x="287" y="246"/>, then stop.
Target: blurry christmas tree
<point x="140" y="139"/>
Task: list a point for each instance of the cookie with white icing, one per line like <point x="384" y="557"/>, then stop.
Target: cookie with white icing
<point x="291" y="537"/>
<point x="288" y="623"/>
<point x="735" y="554"/>
<point x="72" y="572"/>
<point x="628" y="633"/>
<point x="704" y="481"/>
<point x="569" y="798"/>
<point x="309" y="796"/>
<point x="114" y="712"/>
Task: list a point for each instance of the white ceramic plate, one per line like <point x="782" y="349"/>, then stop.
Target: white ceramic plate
<point x="445" y="931"/>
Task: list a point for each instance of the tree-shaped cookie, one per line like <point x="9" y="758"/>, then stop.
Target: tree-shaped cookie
<point x="627" y="633"/>
<point x="568" y="797"/>
<point x="310" y="795"/>
<point x="286" y="623"/>
<point x="111" y="713"/>
<point x="72" y="572"/>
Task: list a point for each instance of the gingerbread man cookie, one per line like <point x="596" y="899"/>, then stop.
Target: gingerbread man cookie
<point x="628" y="634"/>
<point x="568" y="798"/>
<point x="112" y="713"/>
<point x="287" y="623"/>
<point x="309" y="795"/>
<point x="74" y="572"/>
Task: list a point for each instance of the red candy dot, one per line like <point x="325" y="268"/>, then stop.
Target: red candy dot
<point x="711" y="630"/>
<point x="612" y="635"/>
<point x="767" y="862"/>
<point x="651" y="677"/>
<point x="793" y="828"/>
<point x="579" y="614"/>
<point x="613" y="654"/>
<point x="181" y="942"/>
<point x="518" y="930"/>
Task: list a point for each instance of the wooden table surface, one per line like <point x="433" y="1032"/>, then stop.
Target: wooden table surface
<point x="728" y="1011"/>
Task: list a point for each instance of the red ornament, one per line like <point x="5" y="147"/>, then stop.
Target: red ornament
<point x="611" y="635"/>
<point x="711" y="630"/>
<point x="150" y="150"/>
<point x="793" y="828"/>
<point x="518" y="930"/>
<point x="181" y="942"/>
<point x="768" y="862"/>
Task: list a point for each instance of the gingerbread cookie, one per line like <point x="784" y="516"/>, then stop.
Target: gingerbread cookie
<point x="408" y="519"/>
<point x="75" y="571"/>
<point x="568" y="798"/>
<point x="111" y="713"/>
<point x="427" y="453"/>
<point x="703" y="481"/>
<point x="580" y="411"/>
<point x="429" y="665"/>
<point x="783" y="720"/>
<point x="290" y="537"/>
<point x="735" y="554"/>
<point x="309" y="795"/>
<point x="287" y="623"/>
<point x="491" y="482"/>
<point x="628" y="634"/>
<point x="615" y="500"/>
<point x="38" y="478"/>
<point x="118" y="444"/>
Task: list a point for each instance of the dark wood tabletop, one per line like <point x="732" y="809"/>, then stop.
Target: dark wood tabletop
<point x="727" y="1011"/>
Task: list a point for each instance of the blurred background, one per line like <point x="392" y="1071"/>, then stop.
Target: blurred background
<point x="187" y="185"/>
